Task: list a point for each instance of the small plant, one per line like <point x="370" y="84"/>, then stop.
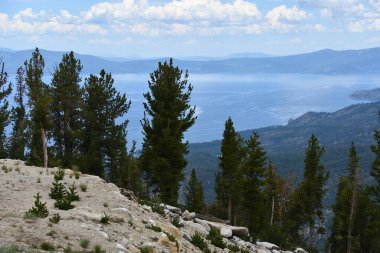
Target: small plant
<point x="4" y="168"/>
<point x="47" y="246"/>
<point x="198" y="241"/>
<point x="157" y="208"/>
<point x="144" y="250"/>
<point x="72" y="194"/>
<point x="105" y="204"/>
<point x="55" y="218"/>
<point x="84" y="243"/>
<point x="172" y="238"/>
<point x="216" y="238"/>
<point x="154" y="228"/>
<point x="176" y="223"/>
<point x="41" y="172"/>
<point x="76" y="175"/>
<point x="39" y="210"/>
<point x="83" y="187"/>
<point x="59" y="174"/>
<point x="51" y="233"/>
<point x="58" y="190"/>
<point x="17" y="169"/>
<point x="98" y="249"/>
<point x="105" y="219"/>
<point x="233" y="248"/>
<point x="38" y="180"/>
<point x="63" y="204"/>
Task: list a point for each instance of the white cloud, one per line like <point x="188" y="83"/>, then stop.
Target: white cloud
<point x="284" y="18"/>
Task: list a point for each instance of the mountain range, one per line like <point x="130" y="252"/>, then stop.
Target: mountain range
<point x="328" y="62"/>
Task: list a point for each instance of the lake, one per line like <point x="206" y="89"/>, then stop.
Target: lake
<point x="253" y="101"/>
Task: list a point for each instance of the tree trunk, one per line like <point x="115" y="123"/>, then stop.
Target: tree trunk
<point x="310" y="235"/>
<point x="230" y="210"/>
<point x="272" y="213"/>
<point x="352" y="210"/>
<point x="44" y="147"/>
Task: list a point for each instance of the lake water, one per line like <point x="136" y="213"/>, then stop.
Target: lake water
<point x="252" y="101"/>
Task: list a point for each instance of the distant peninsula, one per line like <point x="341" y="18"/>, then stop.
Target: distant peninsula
<point x="369" y="95"/>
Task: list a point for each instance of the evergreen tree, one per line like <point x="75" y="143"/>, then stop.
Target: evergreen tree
<point x="4" y="112"/>
<point x="350" y="211"/>
<point x="18" y="117"/>
<point x="39" y="104"/>
<point x="103" y="143"/>
<point x="66" y="109"/>
<point x="251" y="182"/>
<point x="168" y="115"/>
<point x="226" y="184"/>
<point x="194" y="197"/>
<point x="306" y="202"/>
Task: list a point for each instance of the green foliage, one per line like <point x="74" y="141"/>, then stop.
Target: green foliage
<point x="105" y="219"/>
<point x="175" y="222"/>
<point x="98" y="249"/>
<point x="59" y="174"/>
<point x="72" y="193"/>
<point x="5" y="91"/>
<point x="55" y="218"/>
<point x="83" y="187"/>
<point x="63" y="204"/>
<point x="216" y="238"/>
<point x="65" y="109"/>
<point x="198" y="241"/>
<point x="154" y="228"/>
<point x="84" y="243"/>
<point x="39" y="104"/>
<point x="58" y="190"/>
<point x="18" y="139"/>
<point x="47" y="246"/>
<point x="104" y="141"/>
<point x="194" y="198"/>
<point x="226" y="182"/>
<point x="39" y="210"/>
<point x="168" y="115"/>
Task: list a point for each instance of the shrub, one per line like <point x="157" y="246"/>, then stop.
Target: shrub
<point x="83" y="187"/>
<point x="51" y="233"/>
<point x="38" y="180"/>
<point x="76" y="175"/>
<point x="105" y="204"/>
<point x="39" y="210"/>
<point x="55" y="218"/>
<point x="98" y="249"/>
<point x="105" y="219"/>
<point x="58" y="190"/>
<point x="9" y="248"/>
<point x="47" y="246"/>
<point x="63" y="204"/>
<point x="84" y="243"/>
<point x="198" y="241"/>
<point x="233" y="248"/>
<point x="4" y="168"/>
<point x="216" y="238"/>
<point x="72" y="194"/>
<point x="59" y="174"/>
<point x="155" y="228"/>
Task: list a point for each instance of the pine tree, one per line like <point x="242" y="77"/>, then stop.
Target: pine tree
<point x="103" y="140"/>
<point x="251" y="185"/>
<point x="18" y="116"/>
<point x="350" y="211"/>
<point x="306" y="202"/>
<point x="72" y="193"/>
<point x="194" y="197"/>
<point x="39" y="104"/>
<point x="168" y="115"/>
<point x="39" y="209"/>
<point x="66" y="109"/>
<point x="226" y="184"/>
<point x="4" y="112"/>
<point x="58" y="190"/>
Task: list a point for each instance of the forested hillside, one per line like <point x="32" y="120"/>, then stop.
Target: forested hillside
<point x="285" y="145"/>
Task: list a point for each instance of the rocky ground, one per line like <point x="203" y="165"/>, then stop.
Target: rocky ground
<point x="132" y="227"/>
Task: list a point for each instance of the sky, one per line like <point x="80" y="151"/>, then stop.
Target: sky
<point x="183" y="28"/>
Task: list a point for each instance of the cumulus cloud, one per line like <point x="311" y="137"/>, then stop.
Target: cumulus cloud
<point x="284" y="18"/>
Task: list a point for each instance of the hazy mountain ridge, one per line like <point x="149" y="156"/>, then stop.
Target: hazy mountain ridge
<point x="328" y="62"/>
<point x="285" y="145"/>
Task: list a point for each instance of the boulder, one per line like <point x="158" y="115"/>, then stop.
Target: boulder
<point x="186" y="215"/>
<point x="267" y="245"/>
<point x="124" y="212"/>
<point x="300" y="250"/>
<point x="241" y="232"/>
<point x="121" y="248"/>
<point x="226" y="232"/>
<point x="150" y="247"/>
<point x="187" y="237"/>
<point x="203" y="223"/>
<point x="164" y="240"/>
<point x="147" y="208"/>
<point x="197" y="227"/>
<point x="263" y="251"/>
<point x="171" y="230"/>
<point x="172" y="209"/>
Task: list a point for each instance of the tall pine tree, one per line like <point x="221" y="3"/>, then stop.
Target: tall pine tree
<point x="18" y="116"/>
<point x="194" y="197"/>
<point x="251" y="185"/>
<point x="226" y="184"/>
<point x="66" y="109"/>
<point x="168" y="115"/>
<point x="103" y="140"/>
<point x="4" y="111"/>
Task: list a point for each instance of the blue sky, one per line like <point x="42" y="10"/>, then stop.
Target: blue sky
<point x="122" y="28"/>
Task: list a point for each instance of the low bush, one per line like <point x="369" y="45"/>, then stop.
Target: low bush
<point x="216" y="238"/>
<point x="55" y="218"/>
<point x="47" y="246"/>
<point x="198" y="241"/>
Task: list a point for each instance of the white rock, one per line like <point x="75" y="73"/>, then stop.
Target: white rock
<point x="263" y="251"/>
<point x="275" y="251"/>
<point x="226" y="232"/>
<point x="121" y="247"/>
<point x="196" y="226"/>
<point x="172" y="209"/>
<point x="90" y="216"/>
<point x="300" y="250"/>
<point x="124" y="212"/>
<point x="152" y="222"/>
<point x="203" y="223"/>
<point x="187" y="237"/>
<point x="147" y="208"/>
<point x="104" y="234"/>
<point x="186" y="215"/>
<point x="267" y="245"/>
